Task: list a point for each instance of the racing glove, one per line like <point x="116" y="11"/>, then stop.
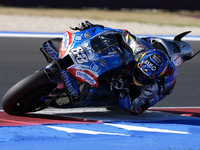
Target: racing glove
<point x="118" y="83"/>
<point x="122" y="93"/>
<point x="85" y="25"/>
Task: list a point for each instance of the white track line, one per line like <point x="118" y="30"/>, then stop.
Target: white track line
<point x="145" y="129"/>
<point x="53" y="35"/>
<point x="71" y="130"/>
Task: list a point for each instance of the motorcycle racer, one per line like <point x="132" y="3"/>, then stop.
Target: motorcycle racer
<point x="100" y="66"/>
<point x="152" y="77"/>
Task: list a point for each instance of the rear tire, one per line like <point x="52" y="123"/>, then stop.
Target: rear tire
<point x="25" y="96"/>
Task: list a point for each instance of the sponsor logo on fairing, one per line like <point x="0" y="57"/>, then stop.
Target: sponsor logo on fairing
<point x="103" y="62"/>
<point x="65" y="42"/>
<point x="68" y="83"/>
<point x="51" y="51"/>
<point x="78" y="38"/>
<point x="177" y="60"/>
<point x="85" y="77"/>
<point x="95" y="68"/>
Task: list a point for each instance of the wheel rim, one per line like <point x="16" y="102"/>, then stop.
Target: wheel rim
<point x="33" y="101"/>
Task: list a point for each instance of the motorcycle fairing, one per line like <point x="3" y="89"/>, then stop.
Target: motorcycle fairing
<point x="66" y="43"/>
<point x="90" y="71"/>
<point x="91" y="52"/>
<point x="49" y="50"/>
<point x="84" y="76"/>
<point x="178" y="51"/>
<point x="72" y="40"/>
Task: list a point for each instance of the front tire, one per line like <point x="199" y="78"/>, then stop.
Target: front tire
<point x="25" y="96"/>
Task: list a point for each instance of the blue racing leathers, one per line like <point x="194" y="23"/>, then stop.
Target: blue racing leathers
<point x="134" y="98"/>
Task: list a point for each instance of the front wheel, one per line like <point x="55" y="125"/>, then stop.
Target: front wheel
<point x="28" y="95"/>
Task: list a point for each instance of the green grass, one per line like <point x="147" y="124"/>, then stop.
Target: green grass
<point x="159" y="17"/>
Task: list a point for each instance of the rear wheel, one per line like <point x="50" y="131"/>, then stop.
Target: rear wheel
<point x="28" y="95"/>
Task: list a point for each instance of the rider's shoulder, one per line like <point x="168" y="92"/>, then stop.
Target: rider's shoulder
<point x="172" y="71"/>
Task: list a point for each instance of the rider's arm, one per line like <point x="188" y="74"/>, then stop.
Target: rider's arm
<point x="137" y="100"/>
<point x="151" y="95"/>
<point x="148" y="97"/>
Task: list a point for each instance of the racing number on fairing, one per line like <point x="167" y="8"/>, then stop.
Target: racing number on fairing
<point x="80" y="55"/>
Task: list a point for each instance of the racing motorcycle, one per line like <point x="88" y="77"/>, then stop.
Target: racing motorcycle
<point x="80" y="68"/>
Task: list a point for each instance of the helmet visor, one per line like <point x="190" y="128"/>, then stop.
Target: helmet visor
<point x="141" y="79"/>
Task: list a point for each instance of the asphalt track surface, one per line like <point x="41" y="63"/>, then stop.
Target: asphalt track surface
<point x="97" y="128"/>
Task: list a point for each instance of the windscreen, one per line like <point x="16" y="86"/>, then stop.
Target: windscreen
<point x="104" y="44"/>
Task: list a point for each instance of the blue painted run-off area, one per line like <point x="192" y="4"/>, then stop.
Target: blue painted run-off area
<point x="114" y="135"/>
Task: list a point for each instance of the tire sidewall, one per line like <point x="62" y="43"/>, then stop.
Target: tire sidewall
<point x="23" y="88"/>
